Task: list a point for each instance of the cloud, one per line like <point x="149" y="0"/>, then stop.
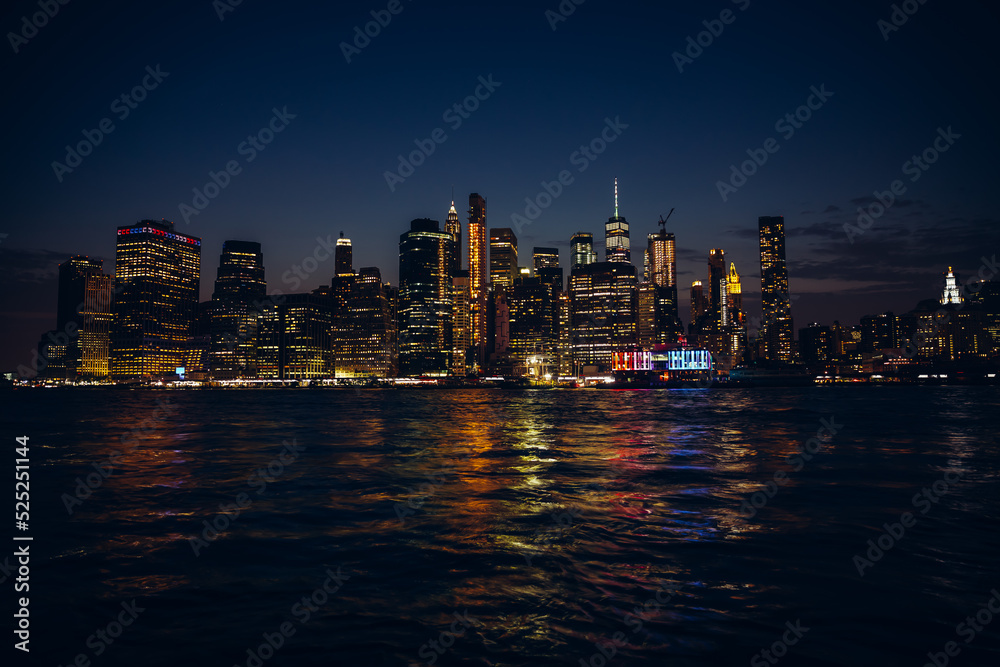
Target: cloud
<point x="19" y="265"/>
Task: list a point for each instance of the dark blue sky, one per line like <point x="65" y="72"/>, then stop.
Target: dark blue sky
<point x="325" y="171"/>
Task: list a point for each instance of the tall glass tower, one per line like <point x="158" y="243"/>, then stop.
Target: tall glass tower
<point x="158" y="272"/>
<point x="240" y="289"/>
<point x="616" y="239"/>
<point x="776" y="333"/>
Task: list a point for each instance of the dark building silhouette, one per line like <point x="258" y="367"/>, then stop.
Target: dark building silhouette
<point x="425" y="300"/>
<point x="240" y="289"/>
<point x="776" y="333"/>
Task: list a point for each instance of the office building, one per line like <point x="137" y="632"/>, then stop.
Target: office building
<point x="240" y="288"/>
<point x="503" y="258"/>
<point x="425" y="300"/>
<point x="776" y="333"/>
<point x="158" y="273"/>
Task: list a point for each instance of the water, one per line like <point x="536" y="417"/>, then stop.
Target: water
<point x="544" y="519"/>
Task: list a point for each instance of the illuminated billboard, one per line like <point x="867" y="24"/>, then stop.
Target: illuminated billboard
<point x="689" y="360"/>
<point x="638" y="360"/>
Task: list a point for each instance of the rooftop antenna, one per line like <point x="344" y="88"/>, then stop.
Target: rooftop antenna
<point x="616" y="197"/>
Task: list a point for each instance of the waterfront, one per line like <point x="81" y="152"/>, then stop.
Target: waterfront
<point x="548" y="520"/>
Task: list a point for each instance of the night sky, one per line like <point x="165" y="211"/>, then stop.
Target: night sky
<point x="554" y="89"/>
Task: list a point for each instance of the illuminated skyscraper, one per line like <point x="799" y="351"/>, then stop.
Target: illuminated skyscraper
<point x="425" y="300"/>
<point x="582" y="250"/>
<point x="737" y="318"/>
<point x="366" y="332"/>
<point x="662" y="259"/>
<point x="158" y="272"/>
<point x="546" y="264"/>
<point x="603" y="311"/>
<point x="240" y="288"/>
<point x="616" y="238"/>
<point x="951" y="293"/>
<point x="343" y="259"/>
<point x="503" y="258"/>
<point x="453" y="226"/>
<point x="660" y="318"/>
<point x="543" y="258"/>
<point x="776" y="332"/>
<point x="294" y="338"/>
<point x="534" y="323"/>
<point x="478" y="287"/>
<point x="461" y="323"/>
<point x="83" y="318"/>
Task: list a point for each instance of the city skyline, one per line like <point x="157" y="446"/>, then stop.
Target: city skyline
<point x="669" y="130"/>
<point x="145" y="321"/>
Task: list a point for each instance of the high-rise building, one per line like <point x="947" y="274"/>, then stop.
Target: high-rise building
<point x="158" y="273"/>
<point x="544" y="258"/>
<point x="616" y="238"/>
<point x="951" y="293"/>
<point x="603" y="311"/>
<point x="366" y="333"/>
<point x="582" y="250"/>
<point x="461" y="323"/>
<point x="294" y="338"/>
<point x="815" y="344"/>
<point x="478" y="286"/>
<point x="425" y="300"/>
<point x="776" y="333"/>
<point x="240" y="288"/>
<point x="83" y="317"/>
<point x="658" y="304"/>
<point x="737" y="318"/>
<point x="878" y="332"/>
<point x="503" y="258"/>
<point x="662" y="251"/>
<point x="453" y="226"/>
<point x="698" y="306"/>
<point x="534" y="323"/>
<point x="343" y="256"/>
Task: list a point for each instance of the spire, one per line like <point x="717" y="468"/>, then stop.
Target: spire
<point x="616" y="197"/>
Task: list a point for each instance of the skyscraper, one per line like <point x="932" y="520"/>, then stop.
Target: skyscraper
<point x="776" y="332"/>
<point x="546" y="265"/>
<point x="616" y="238"/>
<point x="737" y="318"/>
<point x="240" y="289"/>
<point x="503" y="258"/>
<point x="453" y="226"/>
<point x="603" y="311"/>
<point x="544" y="258"/>
<point x="343" y="256"/>
<point x="158" y="272"/>
<point x="698" y="306"/>
<point x="478" y="288"/>
<point x="83" y="318"/>
<point x="461" y="323"/>
<point x="951" y="293"/>
<point x="662" y="259"/>
<point x="582" y="249"/>
<point x="294" y="338"/>
<point x="366" y="331"/>
<point x="425" y="300"/>
<point x="658" y="302"/>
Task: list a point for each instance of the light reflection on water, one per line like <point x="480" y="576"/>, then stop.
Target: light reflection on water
<point x="648" y="485"/>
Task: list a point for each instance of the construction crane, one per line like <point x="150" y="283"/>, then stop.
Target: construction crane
<point x="663" y="221"/>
